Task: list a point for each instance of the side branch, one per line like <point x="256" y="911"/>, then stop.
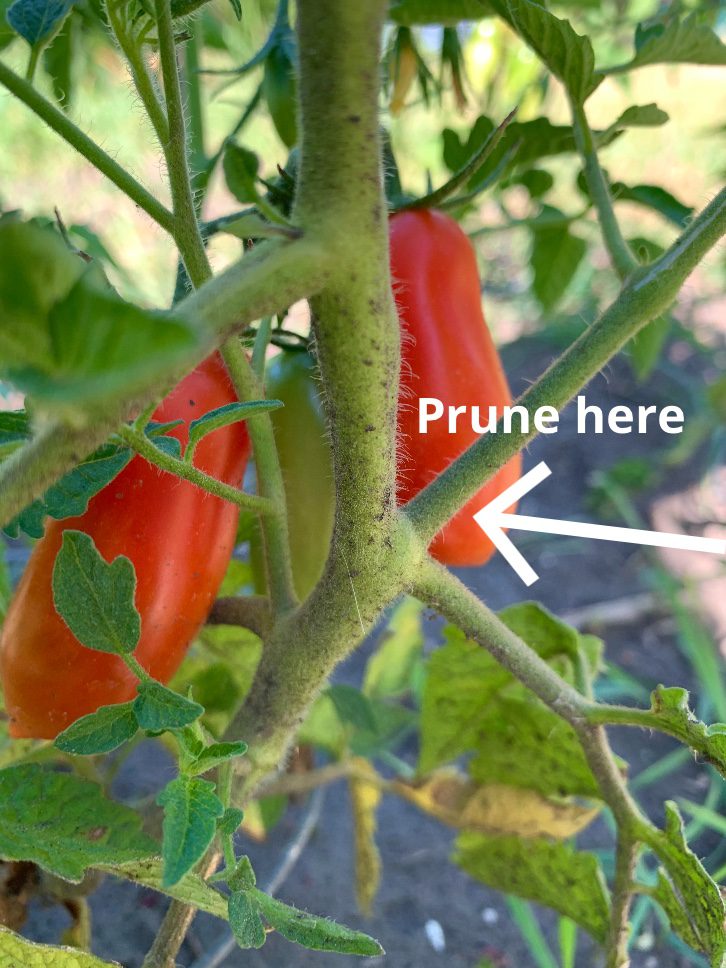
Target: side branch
<point x="648" y="293"/>
<point x="63" y="126"/>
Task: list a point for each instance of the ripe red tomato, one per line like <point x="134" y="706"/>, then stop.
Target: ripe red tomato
<point x="447" y="353"/>
<point x="179" y="539"/>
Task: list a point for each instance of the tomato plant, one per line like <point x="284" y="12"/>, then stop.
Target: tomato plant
<point x="370" y="148"/>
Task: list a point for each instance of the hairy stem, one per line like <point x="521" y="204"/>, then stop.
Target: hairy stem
<point x="620" y="253"/>
<point x="648" y="293"/>
<point x="140" y="74"/>
<point x="142" y="445"/>
<point x="63" y="126"/>
<point x="248" y="611"/>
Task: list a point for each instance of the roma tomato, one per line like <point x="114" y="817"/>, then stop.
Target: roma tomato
<point x="447" y="353"/>
<point x="306" y="463"/>
<point x="179" y="539"/>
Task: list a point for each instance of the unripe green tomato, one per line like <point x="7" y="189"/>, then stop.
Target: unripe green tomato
<point x="306" y="462"/>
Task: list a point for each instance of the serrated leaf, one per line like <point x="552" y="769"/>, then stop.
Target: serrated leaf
<point x="495" y="808"/>
<point x="229" y="414"/>
<point x="65" y="824"/>
<point x="100" y="732"/>
<point x="96" y="599"/>
<point x="686" y="41"/>
<point x="245" y="920"/>
<point x="550" y="873"/>
<point x="16" y="952"/>
<point x="191" y="810"/>
<point x="157" y="708"/>
<point x="670" y="705"/>
<point x="69" y="496"/>
<point x="215" y="754"/>
<point x="365" y="798"/>
<point x="37" y="20"/>
<point x="240" y="171"/>
<point x="555" y="258"/>
<point x="352" y="707"/>
<point x="191" y="888"/>
<point x="699" y="895"/>
<point x="567" y="54"/>
<point x="309" y="931"/>
<point x="389" y="670"/>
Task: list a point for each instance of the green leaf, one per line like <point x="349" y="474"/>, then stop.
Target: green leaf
<point x="556" y="256"/>
<point x="37" y="20"/>
<point x="279" y="88"/>
<point x="699" y="895"/>
<point x="65" y="824"/>
<point x="69" y="496"/>
<point x="245" y="920"/>
<point x="6" y="587"/>
<point x="550" y="873"/>
<point x="352" y="707"/>
<point x="96" y="599"/>
<point x="318" y="934"/>
<point x="191" y="888"/>
<point x="664" y="893"/>
<point x="191" y="809"/>
<point x="216" y="754"/>
<point x="230" y="820"/>
<point x="229" y="414"/>
<point x="670" y="705"/>
<point x="100" y="732"/>
<point x="641" y="116"/>
<point x="157" y="708"/>
<point x="656" y="198"/>
<point x="14" y="431"/>
<point x="240" y="171"/>
<point x="686" y="41"/>
<point x="568" y="55"/>
<point x="242" y="878"/>
<point x="537" y="181"/>
<point x="58" y="58"/>
<point x="390" y="668"/>
<point x="415" y="13"/>
<point x="16" y="952"/>
<point x="36" y="272"/>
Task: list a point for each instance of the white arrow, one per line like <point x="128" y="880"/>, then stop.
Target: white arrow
<point x="493" y="518"/>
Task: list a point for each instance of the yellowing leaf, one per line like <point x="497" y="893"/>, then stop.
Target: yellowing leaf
<point x="16" y="952"/>
<point x="365" y="796"/>
<point x="495" y="808"/>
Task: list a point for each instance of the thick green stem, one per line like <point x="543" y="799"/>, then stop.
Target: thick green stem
<point x="62" y="125"/>
<point x="648" y="293"/>
<point x="622" y="258"/>
<point x="142" y="445"/>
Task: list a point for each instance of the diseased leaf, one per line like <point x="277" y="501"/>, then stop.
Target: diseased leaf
<point x="191" y="810"/>
<point x="389" y="670"/>
<point x="156" y="708"/>
<point x="16" y="952"/>
<point x="100" y="732"/>
<point x="550" y="873"/>
<point x="245" y="920"/>
<point x="365" y="797"/>
<point x="699" y="895"/>
<point x="96" y="599"/>
<point x="671" y="706"/>
<point x="494" y="808"/>
<point x="65" y="824"/>
<point x="318" y="934"/>
<point x="664" y="893"/>
<point x="191" y="888"/>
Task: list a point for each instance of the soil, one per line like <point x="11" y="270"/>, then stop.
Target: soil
<point x="419" y="884"/>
